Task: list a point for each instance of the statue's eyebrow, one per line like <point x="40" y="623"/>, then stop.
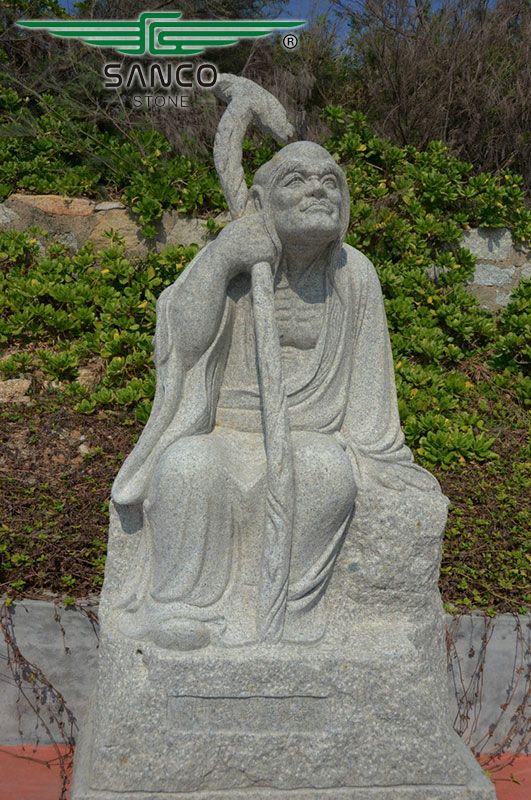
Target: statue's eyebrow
<point x="293" y="173"/>
<point x="305" y="172"/>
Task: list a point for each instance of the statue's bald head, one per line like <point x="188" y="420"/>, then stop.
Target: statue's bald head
<point x="293" y="154"/>
<point x="304" y="191"/>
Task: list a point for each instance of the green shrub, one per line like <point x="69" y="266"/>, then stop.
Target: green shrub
<point x="460" y="371"/>
<point x="80" y="306"/>
<point x="46" y="149"/>
<point x="408" y="212"/>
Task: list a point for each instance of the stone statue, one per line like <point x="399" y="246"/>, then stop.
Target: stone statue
<point x="202" y="468"/>
<point x="271" y="622"/>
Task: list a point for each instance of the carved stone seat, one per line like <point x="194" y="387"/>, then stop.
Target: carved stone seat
<point x="361" y="714"/>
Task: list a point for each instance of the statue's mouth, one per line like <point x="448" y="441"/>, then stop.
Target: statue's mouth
<point x="320" y="205"/>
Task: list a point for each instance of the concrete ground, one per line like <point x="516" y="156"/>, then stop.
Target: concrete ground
<point x="26" y="775"/>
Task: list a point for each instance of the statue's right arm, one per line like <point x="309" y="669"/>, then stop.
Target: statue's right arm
<point x="195" y="304"/>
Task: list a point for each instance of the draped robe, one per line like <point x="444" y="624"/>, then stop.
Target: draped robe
<point x="345" y="390"/>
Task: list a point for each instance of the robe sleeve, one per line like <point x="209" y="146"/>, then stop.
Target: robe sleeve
<point x="130" y="483"/>
<point x="184" y="402"/>
<point x="371" y="425"/>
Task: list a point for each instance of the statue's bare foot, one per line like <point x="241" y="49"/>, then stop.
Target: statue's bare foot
<point x="174" y="628"/>
<point x="181" y="634"/>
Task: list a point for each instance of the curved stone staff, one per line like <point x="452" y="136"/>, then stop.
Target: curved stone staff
<point x="247" y="103"/>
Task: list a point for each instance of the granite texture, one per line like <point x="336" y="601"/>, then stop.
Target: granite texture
<point x="270" y="614"/>
<point x="491" y="275"/>
<point x="501" y="264"/>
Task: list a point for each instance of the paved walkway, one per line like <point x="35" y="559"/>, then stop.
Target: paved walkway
<point x="34" y="774"/>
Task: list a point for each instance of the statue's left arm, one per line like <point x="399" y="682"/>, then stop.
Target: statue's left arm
<point x="371" y="424"/>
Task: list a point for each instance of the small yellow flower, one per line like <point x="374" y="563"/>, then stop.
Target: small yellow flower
<point x="105" y="271"/>
<point x="414" y="391"/>
<point x="469" y="385"/>
<point x="461" y="459"/>
<point x="430" y="300"/>
<point x="398" y="364"/>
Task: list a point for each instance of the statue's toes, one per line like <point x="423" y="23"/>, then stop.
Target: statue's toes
<point x="182" y="634"/>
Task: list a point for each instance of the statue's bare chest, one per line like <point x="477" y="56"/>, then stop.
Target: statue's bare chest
<point x="299" y="311"/>
<point x="299" y="318"/>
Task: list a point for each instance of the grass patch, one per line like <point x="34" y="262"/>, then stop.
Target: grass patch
<point x="56" y="469"/>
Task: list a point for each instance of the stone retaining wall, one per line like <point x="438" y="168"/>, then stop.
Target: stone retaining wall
<point x="486" y="677"/>
<point x="74" y="220"/>
<point x="501" y="264"/>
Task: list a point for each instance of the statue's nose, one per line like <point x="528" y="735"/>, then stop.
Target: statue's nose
<point x="316" y="187"/>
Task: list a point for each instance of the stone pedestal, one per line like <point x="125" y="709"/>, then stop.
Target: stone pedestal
<point x="362" y="714"/>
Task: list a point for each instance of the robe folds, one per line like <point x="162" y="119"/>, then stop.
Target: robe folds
<point x="198" y="469"/>
<point x="347" y="389"/>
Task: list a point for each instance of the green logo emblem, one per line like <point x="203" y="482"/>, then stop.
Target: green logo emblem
<point x="161" y="33"/>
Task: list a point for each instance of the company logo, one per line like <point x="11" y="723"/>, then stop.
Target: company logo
<point x="162" y="33"/>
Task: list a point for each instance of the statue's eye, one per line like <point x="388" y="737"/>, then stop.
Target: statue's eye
<point x="293" y="180"/>
<point x="330" y="182"/>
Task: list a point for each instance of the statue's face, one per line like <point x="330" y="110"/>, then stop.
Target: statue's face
<point x="306" y="203"/>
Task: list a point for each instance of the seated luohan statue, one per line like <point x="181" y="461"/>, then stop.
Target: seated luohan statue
<point x="201" y="466"/>
<point x="271" y="625"/>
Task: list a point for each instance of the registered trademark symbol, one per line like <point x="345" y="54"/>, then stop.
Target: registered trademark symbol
<point x="290" y="41"/>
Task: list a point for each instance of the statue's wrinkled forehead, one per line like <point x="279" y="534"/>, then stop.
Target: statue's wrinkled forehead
<point x="297" y="154"/>
<point x="303" y="154"/>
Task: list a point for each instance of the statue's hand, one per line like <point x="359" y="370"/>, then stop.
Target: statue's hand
<point x="401" y="475"/>
<point x="244" y="243"/>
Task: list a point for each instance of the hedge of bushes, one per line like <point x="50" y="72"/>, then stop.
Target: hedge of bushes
<point x="462" y="373"/>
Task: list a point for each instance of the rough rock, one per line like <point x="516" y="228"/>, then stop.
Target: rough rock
<point x="123" y="223"/>
<point x="486" y="296"/>
<point x="69" y="240"/>
<point x="495" y="244"/>
<point x="222" y="218"/>
<point x="66" y="220"/>
<point x="7" y="215"/>
<point x="184" y="230"/>
<point x="492" y="275"/>
<point x="14" y="390"/>
<point x="108" y="205"/>
<point x="502" y="298"/>
<point x="55" y="204"/>
<point x="90" y="374"/>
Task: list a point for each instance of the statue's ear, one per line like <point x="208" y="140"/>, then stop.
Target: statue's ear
<point x="257" y="197"/>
